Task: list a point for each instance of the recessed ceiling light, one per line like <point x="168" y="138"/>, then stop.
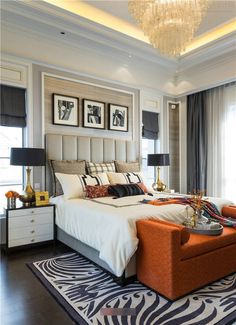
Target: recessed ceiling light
<point x="130" y="55"/>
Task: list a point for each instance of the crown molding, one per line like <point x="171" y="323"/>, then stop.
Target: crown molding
<point x="210" y="51"/>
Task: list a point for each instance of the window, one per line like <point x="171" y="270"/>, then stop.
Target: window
<point x="150" y="143"/>
<point x="11" y="177"/>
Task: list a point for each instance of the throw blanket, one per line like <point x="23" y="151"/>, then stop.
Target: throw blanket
<point x="209" y="209"/>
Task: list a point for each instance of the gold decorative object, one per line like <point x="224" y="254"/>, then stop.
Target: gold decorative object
<point x="42" y="198"/>
<point x="158" y="185"/>
<point x="28" y="195"/>
<point x="197" y="203"/>
<point x="169" y="24"/>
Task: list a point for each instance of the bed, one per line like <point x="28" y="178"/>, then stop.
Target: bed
<point x="107" y="237"/>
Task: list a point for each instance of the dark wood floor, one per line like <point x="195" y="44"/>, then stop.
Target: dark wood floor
<point x="23" y="299"/>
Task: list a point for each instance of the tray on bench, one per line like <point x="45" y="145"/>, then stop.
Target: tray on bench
<point x="205" y="230"/>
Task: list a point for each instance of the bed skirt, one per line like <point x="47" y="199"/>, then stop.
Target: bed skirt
<point x="93" y="255"/>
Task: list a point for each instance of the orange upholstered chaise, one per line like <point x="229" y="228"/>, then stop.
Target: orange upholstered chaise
<point x="174" y="262"/>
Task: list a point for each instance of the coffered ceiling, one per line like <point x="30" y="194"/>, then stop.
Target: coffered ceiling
<point x="108" y="25"/>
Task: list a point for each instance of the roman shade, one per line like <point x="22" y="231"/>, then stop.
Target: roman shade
<point x="150" y="125"/>
<point x="13" y="111"/>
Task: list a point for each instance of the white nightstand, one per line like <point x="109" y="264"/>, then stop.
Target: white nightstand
<point x="27" y="226"/>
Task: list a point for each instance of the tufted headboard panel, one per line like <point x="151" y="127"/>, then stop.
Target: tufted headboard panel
<point x="72" y="147"/>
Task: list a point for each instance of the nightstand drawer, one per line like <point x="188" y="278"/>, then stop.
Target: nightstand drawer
<point x="32" y="231"/>
<point x="29" y="240"/>
<point x="26" y="221"/>
<point x="30" y="211"/>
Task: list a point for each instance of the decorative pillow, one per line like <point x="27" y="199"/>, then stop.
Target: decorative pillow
<point x="125" y="178"/>
<point x="125" y="190"/>
<point x="97" y="191"/>
<point x="94" y="168"/>
<point x="143" y="187"/>
<point x="127" y="167"/>
<point x="65" y="167"/>
<point x="74" y="186"/>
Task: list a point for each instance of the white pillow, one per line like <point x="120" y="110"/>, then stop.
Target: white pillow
<point x="125" y="178"/>
<point x="74" y="186"/>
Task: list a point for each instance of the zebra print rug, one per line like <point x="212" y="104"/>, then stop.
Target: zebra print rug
<point x="90" y="296"/>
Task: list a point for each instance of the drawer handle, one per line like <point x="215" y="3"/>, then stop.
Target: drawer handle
<point x="32" y="240"/>
<point x="32" y="231"/>
<point x="32" y="220"/>
<point x="32" y="211"/>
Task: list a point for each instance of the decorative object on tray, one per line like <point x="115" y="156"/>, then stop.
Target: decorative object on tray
<point x="209" y="228"/>
<point x="11" y="199"/>
<point x="118" y="118"/>
<point x="27" y="157"/>
<point x="93" y="114"/>
<point x="42" y="198"/>
<point x="158" y="160"/>
<point x="210" y="210"/>
<point x="65" y="110"/>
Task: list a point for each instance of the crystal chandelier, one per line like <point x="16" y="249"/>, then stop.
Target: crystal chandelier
<point x="169" y="24"/>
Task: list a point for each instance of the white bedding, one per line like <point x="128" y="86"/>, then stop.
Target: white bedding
<point x="108" y="224"/>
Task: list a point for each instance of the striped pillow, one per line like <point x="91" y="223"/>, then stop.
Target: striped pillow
<point x="95" y="168"/>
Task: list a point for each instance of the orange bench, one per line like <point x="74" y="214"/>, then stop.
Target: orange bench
<point x="174" y="262"/>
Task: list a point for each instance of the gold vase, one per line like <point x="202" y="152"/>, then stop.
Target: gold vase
<point x="158" y="185"/>
<point x="28" y="195"/>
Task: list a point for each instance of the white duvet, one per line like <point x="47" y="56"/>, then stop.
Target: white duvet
<point x="108" y="224"/>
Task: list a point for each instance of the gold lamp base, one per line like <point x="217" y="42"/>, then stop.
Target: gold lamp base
<point x="28" y="195"/>
<point x="158" y="185"/>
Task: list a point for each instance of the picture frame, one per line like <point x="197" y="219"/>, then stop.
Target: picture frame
<point x="41" y="198"/>
<point x="118" y="118"/>
<point x="65" y="110"/>
<point x="93" y="114"/>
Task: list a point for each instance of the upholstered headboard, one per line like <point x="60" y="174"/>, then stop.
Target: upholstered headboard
<point x="72" y="147"/>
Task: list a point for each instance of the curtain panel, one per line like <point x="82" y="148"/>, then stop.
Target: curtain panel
<point x="221" y="112"/>
<point x="196" y="142"/>
<point x="150" y="128"/>
<point x="13" y="112"/>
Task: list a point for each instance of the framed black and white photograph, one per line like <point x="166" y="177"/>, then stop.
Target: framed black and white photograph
<point x="65" y="110"/>
<point x="118" y="118"/>
<point x="93" y="114"/>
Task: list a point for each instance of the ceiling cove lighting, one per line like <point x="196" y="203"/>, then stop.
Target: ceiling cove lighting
<point x="169" y="24"/>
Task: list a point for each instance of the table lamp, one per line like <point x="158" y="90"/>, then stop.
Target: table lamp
<point x="157" y="160"/>
<point x="27" y="157"/>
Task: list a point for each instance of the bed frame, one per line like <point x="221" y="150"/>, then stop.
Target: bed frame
<point x="71" y="147"/>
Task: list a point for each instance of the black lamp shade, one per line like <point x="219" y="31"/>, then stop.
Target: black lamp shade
<point x="158" y="159"/>
<point x="27" y="157"/>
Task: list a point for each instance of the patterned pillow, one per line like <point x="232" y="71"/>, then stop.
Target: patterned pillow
<point x="121" y="190"/>
<point x="125" y="178"/>
<point x="97" y="191"/>
<point x="65" y="167"/>
<point x="143" y="187"/>
<point x="94" y="168"/>
<point x="74" y="186"/>
<point x="126" y="167"/>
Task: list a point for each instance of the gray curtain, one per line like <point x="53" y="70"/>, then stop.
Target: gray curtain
<point x="13" y="111"/>
<point x="196" y="142"/>
<point x="150" y="128"/>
